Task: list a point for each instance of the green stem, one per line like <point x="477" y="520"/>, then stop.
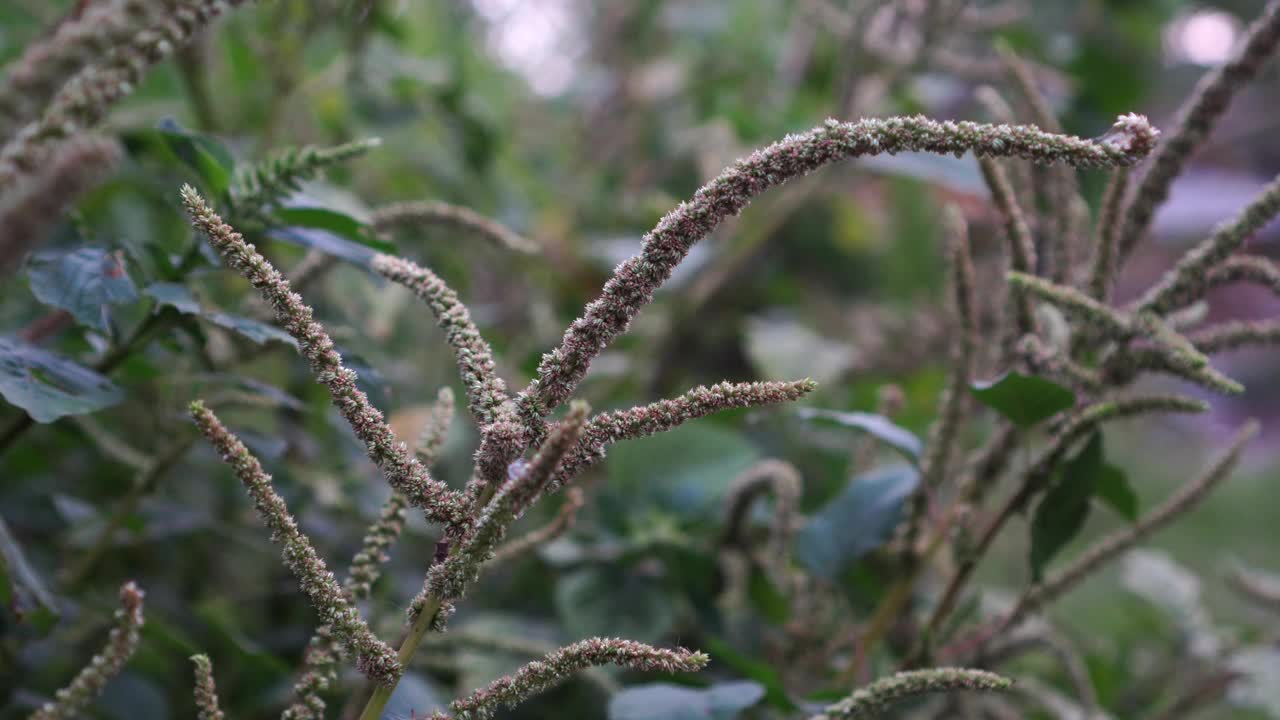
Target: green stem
<point x="419" y="629"/>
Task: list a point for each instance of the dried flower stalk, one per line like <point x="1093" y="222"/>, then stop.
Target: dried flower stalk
<point x="31" y="208"/>
<point x="318" y="668"/>
<point x="448" y="580"/>
<point x="877" y="698"/>
<point x="1199" y="113"/>
<point x="86" y="98"/>
<point x="419" y="214"/>
<point x="637" y="422"/>
<point x="558" y="666"/>
<point x="486" y="392"/>
<point x="32" y="80"/>
<point x="405" y="474"/>
<point x="374" y="658"/>
<point x="635" y="280"/>
<point x="206" y="691"/>
<point x="71" y="701"/>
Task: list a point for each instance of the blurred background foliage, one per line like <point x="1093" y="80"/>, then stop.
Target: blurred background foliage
<point x="579" y="124"/>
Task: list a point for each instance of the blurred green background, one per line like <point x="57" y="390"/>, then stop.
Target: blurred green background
<point x="579" y="124"/>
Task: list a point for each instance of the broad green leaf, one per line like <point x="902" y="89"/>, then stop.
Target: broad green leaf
<point x="775" y="691"/>
<point x="180" y="298"/>
<point x="83" y="282"/>
<point x="664" y="701"/>
<point x="602" y="601"/>
<point x="21" y="587"/>
<point x="332" y="221"/>
<point x="326" y="242"/>
<point x="1063" y="510"/>
<point x="210" y="161"/>
<point x="255" y="330"/>
<point x="858" y="520"/>
<point x="878" y="426"/>
<point x="766" y="598"/>
<point x="685" y="472"/>
<point x="50" y="386"/>
<point x="175" y="296"/>
<point x="1024" y="399"/>
<point x="1113" y="488"/>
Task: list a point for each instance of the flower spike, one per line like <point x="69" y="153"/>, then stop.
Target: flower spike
<point x="635" y="280"/>
<point x="375" y="659"/>
<point x="402" y="470"/>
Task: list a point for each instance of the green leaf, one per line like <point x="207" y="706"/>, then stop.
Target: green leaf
<point x="685" y="472"/>
<point x="1062" y="512"/>
<point x="766" y="598"/>
<point x="338" y="223"/>
<point x="50" y="386"/>
<point x="326" y="242"/>
<point x="878" y="426"/>
<point x="1024" y="399"/>
<point x="21" y="587"/>
<point x="664" y="701"/>
<point x="180" y="298"/>
<point x="775" y="691"/>
<point x="1112" y="488"/>
<point x="858" y="520"/>
<point x="83" y="282"/>
<point x="605" y="601"/>
<point x="210" y="161"/>
<point x="175" y="296"/>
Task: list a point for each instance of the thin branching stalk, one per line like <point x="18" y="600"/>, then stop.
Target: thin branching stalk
<point x="71" y="701"/>
<point x="562" y="523"/>
<point x="635" y="280"/>
<point x="1094" y="316"/>
<point x="1186" y="281"/>
<point x="1179" y="504"/>
<point x="427" y="214"/>
<point x="1261" y="591"/>
<point x="952" y="404"/>
<point x="1235" y="335"/>
<point x="1035" y="478"/>
<point x="374" y="658"/>
<point x="1102" y="268"/>
<point x="1062" y="190"/>
<point x="782" y="480"/>
<point x="405" y="474"/>
<point x="1022" y="249"/>
<point x="1196" y="118"/>
<point x="1020" y="171"/>
<point x="560" y="665"/>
